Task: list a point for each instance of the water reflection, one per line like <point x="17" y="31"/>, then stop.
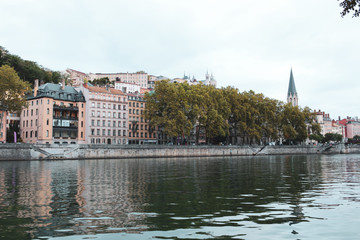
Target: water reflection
<point x="241" y="198"/>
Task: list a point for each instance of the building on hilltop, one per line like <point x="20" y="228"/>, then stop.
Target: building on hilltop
<point x="292" y="96"/>
<point x="106" y="114"/>
<point x="76" y="78"/>
<point x="55" y="114"/>
<point x="140" y="78"/>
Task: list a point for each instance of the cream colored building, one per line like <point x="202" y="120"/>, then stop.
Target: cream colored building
<point x="106" y="114"/>
<point x="139" y="78"/>
<point x="3" y="115"/>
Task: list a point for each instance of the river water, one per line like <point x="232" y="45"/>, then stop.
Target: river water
<point x="271" y="197"/>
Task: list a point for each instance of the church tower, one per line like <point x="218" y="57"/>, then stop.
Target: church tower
<point x="292" y="96"/>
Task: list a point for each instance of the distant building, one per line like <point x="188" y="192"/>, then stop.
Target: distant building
<point x="292" y="96"/>
<point x="77" y="78"/>
<point x="140" y="131"/>
<point x="106" y="114"/>
<point x="140" y="78"/>
<point x="55" y="114"/>
<point x="127" y="87"/>
<point x="329" y="125"/>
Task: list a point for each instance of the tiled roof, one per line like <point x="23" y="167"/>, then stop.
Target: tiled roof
<point x="104" y="90"/>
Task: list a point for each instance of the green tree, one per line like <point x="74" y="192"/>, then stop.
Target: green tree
<point x="12" y="89"/>
<point x="350" y="6"/>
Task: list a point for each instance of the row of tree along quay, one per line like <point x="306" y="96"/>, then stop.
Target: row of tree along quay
<point x="225" y="116"/>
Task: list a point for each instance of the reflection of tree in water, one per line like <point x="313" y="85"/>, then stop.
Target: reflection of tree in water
<point x="264" y="190"/>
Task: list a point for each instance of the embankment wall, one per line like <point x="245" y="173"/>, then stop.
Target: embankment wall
<point x="54" y="151"/>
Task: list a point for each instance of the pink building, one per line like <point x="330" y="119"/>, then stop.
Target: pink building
<point x="3" y="115"/>
<point x="106" y="114"/>
<point x="353" y="128"/>
<point x="55" y="115"/>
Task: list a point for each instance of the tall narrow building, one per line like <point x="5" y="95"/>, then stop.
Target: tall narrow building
<point x="292" y="96"/>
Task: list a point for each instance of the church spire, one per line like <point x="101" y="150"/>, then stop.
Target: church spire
<point x="292" y="96"/>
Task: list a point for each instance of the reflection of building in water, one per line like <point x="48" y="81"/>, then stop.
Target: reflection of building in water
<point x="31" y="186"/>
<point x="105" y="192"/>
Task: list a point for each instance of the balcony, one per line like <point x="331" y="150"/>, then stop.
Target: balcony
<point x="63" y="107"/>
<point x="62" y="128"/>
<point x="65" y="117"/>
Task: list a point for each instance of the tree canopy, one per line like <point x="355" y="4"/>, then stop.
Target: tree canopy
<point x="28" y="70"/>
<point x="350" y="6"/>
<point x="12" y="89"/>
<point x="225" y="115"/>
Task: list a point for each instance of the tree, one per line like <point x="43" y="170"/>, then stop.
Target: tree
<point x="349" y="6"/>
<point x="12" y="90"/>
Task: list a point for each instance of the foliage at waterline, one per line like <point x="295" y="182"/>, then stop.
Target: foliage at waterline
<point x="226" y="115"/>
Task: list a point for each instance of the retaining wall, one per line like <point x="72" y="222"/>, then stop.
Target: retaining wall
<point x="54" y="151"/>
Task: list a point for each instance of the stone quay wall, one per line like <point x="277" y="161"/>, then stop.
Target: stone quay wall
<point x="53" y="151"/>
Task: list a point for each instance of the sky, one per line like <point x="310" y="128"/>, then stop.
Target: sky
<point x="246" y="44"/>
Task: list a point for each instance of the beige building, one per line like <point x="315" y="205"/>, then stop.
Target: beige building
<point x="77" y="78"/>
<point x="139" y="128"/>
<point x="55" y="115"/>
<point x="140" y="78"/>
<point x="106" y="114"/>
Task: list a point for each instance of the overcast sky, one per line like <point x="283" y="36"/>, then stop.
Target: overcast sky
<point x="247" y="44"/>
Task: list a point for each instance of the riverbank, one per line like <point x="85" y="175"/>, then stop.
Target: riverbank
<point x="85" y="151"/>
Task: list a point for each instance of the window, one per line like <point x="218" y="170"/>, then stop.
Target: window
<point x="98" y="105"/>
<point x="31" y="112"/>
<point x="36" y="122"/>
<point x="98" y="132"/>
<point x="119" y="132"/>
<point x="93" y="113"/>
<point x="124" y="124"/>
<point x="98" y="123"/>
<point x="93" y="104"/>
<point x="92" y="122"/>
<point x="114" y="123"/>
<point x="36" y="112"/>
<point x="109" y="123"/>
<point x="82" y="114"/>
<point x="35" y="133"/>
<point x="47" y="133"/>
<point x="114" y="132"/>
<point x="114" y="106"/>
<point x="104" y="105"/>
<point x="47" y="122"/>
<point x="114" y="115"/>
<point x="103" y="132"/>
<point x="130" y="111"/>
<point x="109" y="132"/>
<point x="31" y="134"/>
<point x="81" y="134"/>
<point x="104" y="123"/>
<point x="109" y="114"/>
<point x="129" y="134"/>
<point x="141" y="134"/>
<point x="109" y="106"/>
<point x="92" y="131"/>
<point x="104" y="114"/>
<point x="124" y="115"/>
<point x="82" y="124"/>
<point x="124" y="133"/>
<point x="47" y="111"/>
<point x="145" y="135"/>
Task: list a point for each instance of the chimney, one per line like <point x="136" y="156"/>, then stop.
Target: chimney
<point x="36" y="87"/>
<point x="63" y="84"/>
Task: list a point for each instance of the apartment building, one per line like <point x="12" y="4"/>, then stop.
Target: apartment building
<point x="106" y="114"/>
<point x="55" y="115"/>
<point x="140" y="131"/>
<point x="140" y="78"/>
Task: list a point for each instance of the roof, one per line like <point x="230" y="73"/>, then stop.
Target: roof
<point x="104" y="90"/>
<point x="55" y="91"/>
<point x="292" y="88"/>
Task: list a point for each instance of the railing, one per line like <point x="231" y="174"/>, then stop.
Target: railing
<point x="65" y="117"/>
<point x="63" y="107"/>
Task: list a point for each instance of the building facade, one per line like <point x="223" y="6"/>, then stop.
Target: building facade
<point x="3" y="115"/>
<point x="106" y="114"/>
<point x="140" y="78"/>
<point x="55" y="115"/>
<point x="140" y="131"/>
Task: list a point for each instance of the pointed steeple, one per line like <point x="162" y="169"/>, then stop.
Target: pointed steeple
<point x="292" y="95"/>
